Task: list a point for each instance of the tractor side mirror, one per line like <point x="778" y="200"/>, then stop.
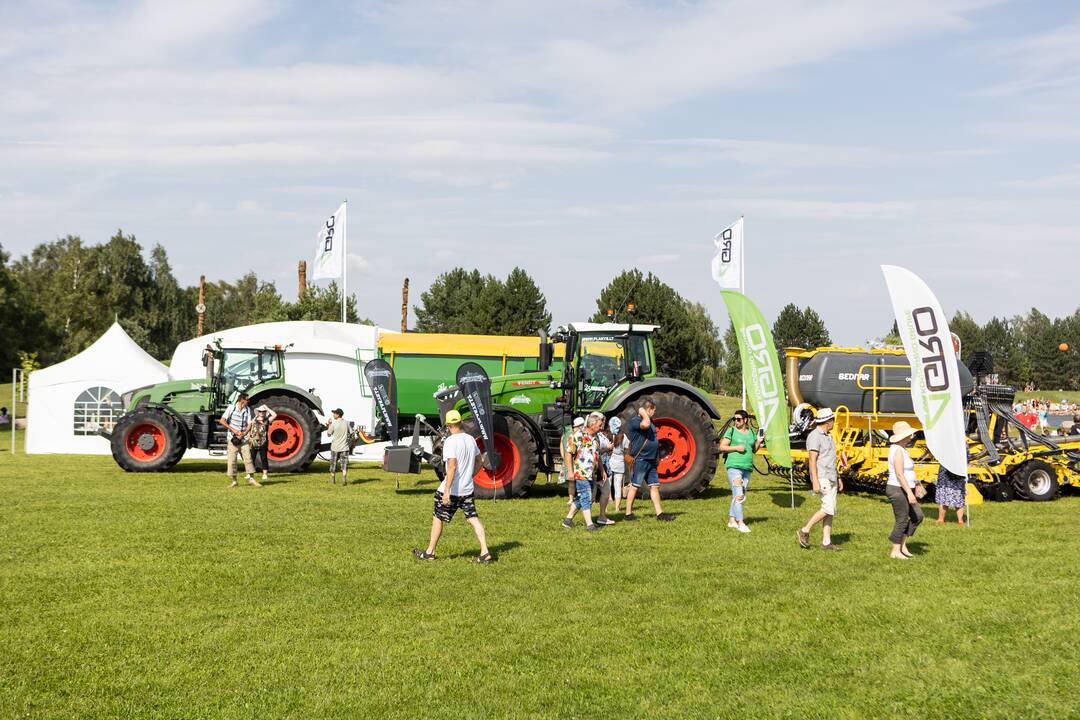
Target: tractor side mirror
<point x="205" y="359"/>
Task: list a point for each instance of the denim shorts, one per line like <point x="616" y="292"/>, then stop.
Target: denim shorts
<point x="584" y="494"/>
<point x="645" y="473"/>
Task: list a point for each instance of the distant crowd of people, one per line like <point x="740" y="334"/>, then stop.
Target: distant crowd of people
<point x="1035" y="415"/>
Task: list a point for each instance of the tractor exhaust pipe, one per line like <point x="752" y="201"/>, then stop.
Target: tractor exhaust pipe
<point x="791" y="371"/>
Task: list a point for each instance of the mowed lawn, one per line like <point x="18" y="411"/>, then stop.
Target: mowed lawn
<point x="174" y="596"/>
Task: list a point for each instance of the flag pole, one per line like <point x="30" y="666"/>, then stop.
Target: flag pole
<point x="344" y="257"/>
<point x="742" y="289"/>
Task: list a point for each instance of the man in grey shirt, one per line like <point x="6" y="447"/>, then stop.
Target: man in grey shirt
<point x="824" y="477"/>
<point x="338" y="430"/>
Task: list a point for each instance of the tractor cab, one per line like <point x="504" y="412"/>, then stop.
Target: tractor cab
<point x="600" y="357"/>
<point x="231" y="371"/>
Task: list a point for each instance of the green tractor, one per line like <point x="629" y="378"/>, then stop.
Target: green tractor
<point x="164" y="420"/>
<point x="607" y="367"/>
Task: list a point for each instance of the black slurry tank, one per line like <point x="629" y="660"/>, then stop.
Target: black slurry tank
<point x="831" y="378"/>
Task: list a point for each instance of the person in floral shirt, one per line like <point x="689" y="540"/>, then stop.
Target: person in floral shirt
<point x="586" y="454"/>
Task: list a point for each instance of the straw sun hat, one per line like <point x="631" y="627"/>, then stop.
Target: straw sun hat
<point x="824" y="415"/>
<point x="901" y="430"/>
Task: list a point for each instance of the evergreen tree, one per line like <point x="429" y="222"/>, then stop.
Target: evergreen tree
<point x="682" y="346"/>
<point x="815" y="333"/>
<point x="526" y="310"/>
<point x="732" y="363"/>
<point x="318" y="303"/>
<point x="969" y="332"/>
<point x="462" y="301"/>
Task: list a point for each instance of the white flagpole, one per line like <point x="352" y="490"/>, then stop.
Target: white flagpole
<point x="344" y="257"/>
<point x="742" y="289"/>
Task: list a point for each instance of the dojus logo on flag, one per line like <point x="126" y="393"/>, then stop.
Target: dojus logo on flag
<point x="761" y="374"/>
<point x="329" y="260"/>
<point x="935" y="378"/>
<point x="727" y="262"/>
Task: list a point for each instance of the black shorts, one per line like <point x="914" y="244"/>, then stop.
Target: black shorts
<point x="446" y="512"/>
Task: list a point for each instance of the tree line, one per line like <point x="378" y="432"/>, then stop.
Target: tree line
<point x="63" y="295"/>
<point x="58" y="299"/>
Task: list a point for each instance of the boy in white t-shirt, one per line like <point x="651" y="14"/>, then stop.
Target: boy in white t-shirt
<point x="455" y="492"/>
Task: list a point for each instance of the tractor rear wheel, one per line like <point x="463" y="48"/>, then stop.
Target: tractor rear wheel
<point x="147" y="440"/>
<point x="518" y="455"/>
<point x="1036" y="480"/>
<point x="689" y="445"/>
<point x="293" y="437"/>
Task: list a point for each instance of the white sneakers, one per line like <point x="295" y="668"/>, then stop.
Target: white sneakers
<point x="741" y="527"/>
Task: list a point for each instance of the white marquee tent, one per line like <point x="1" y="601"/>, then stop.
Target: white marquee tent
<point x="69" y="401"/>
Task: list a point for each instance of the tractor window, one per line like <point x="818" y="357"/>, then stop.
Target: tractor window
<point x="639" y="350"/>
<point x="244" y="368"/>
<point x="602" y="366"/>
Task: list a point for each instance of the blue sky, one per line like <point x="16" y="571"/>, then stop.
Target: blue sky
<point x="573" y="139"/>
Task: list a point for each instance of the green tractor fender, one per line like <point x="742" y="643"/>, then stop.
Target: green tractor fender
<point x="291" y="391"/>
<point x="634" y="390"/>
<point x="504" y="411"/>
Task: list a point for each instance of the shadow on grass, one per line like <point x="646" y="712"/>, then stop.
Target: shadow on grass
<point x="916" y="548"/>
<point x="497" y="550"/>
<point x="783" y="499"/>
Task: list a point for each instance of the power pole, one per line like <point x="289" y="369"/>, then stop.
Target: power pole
<point x="200" y="309"/>
<point x="301" y="280"/>
<point x="405" y="306"/>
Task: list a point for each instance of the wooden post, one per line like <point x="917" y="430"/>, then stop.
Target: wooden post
<point x="301" y="279"/>
<point x="405" y="306"/>
<point x="200" y="309"/>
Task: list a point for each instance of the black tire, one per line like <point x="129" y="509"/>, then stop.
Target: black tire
<point x="700" y="465"/>
<point x="1036" y="480"/>
<point x="294" y="433"/>
<point x="519" y="461"/>
<point x="147" y="440"/>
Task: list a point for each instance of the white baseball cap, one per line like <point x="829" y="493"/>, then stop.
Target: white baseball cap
<point x="579" y="422"/>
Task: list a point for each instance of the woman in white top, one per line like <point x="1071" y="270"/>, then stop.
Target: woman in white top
<point x="901" y="490"/>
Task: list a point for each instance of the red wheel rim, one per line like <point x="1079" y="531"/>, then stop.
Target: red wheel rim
<point x="509" y="462"/>
<point x="677" y="449"/>
<point x="147" y="430"/>
<point x="285" y="437"/>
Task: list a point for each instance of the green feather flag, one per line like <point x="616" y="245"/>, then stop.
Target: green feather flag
<point x="761" y="374"/>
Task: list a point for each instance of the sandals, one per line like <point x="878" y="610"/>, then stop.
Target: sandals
<point x="484" y="559"/>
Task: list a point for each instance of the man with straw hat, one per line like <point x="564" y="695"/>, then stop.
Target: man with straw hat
<point x="824" y="477"/>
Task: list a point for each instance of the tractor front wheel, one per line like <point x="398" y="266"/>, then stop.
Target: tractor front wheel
<point x="147" y="440"/>
<point x="689" y="445"/>
<point x="293" y="436"/>
<point x="1036" y="480"/>
<point x="518" y="456"/>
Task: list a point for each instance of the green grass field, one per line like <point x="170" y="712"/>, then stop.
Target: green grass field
<point x="171" y="595"/>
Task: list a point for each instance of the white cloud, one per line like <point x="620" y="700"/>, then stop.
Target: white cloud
<point x="658" y="259"/>
<point x="1069" y="179"/>
<point x="1047" y="62"/>
<point x="792" y="209"/>
<point x="787" y="155"/>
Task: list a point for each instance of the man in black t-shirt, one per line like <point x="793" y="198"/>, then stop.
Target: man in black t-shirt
<point x="646" y="453"/>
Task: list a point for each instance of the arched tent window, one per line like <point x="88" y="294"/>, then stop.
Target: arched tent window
<point x="97" y="408"/>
